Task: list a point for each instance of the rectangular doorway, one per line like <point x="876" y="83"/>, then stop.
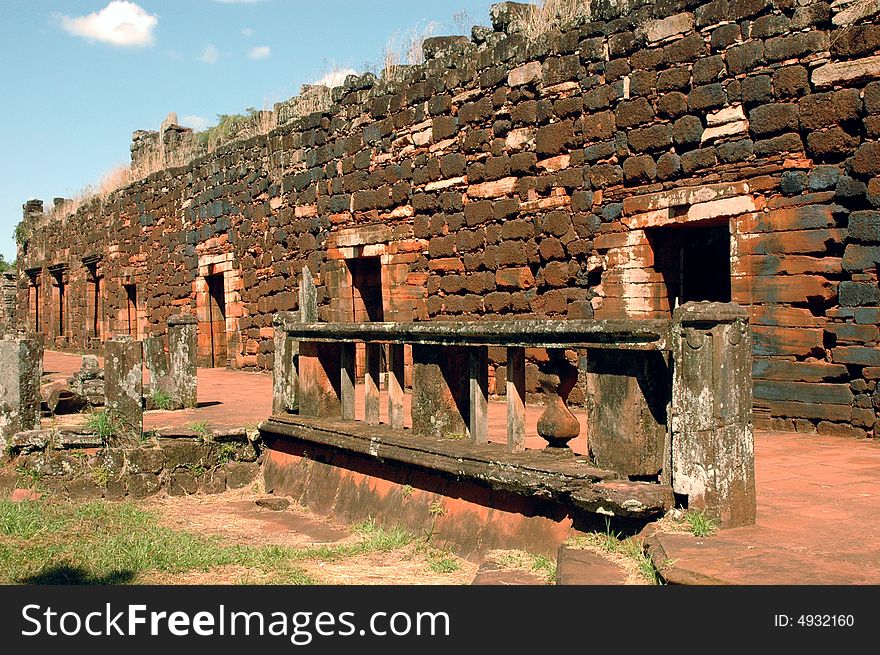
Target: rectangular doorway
<point x="694" y="262"/>
<point x="366" y="302"/>
<point x="217" y="319"/>
<point x="131" y="304"/>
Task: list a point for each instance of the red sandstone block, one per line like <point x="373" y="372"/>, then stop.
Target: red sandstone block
<point x="803" y="241"/>
<point x="807" y="217"/>
<point x="784" y="369"/>
<point x="682" y="196"/>
<point x="788" y="264"/>
<point x="446" y="264"/>
<point x="609" y="240"/>
<point x="824" y="411"/>
<point x="781" y="288"/>
<point x="634" y="257"/>
<point x="786" y="341"/>
<point x="515" y="278"/>
<point x="784" y="316"/>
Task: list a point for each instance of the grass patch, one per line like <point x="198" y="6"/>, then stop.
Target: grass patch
<point x="701" y="524"/>
<point x="201" y="427"/>
<point x="611" y="543"/>
<point x="443" y="563"/>
<point x="116" y="543"/>
<point x="161" y="400"/>
<point x="102" y="424"/>
<point x="29" y="478"/>
<point x="226" y="453"/>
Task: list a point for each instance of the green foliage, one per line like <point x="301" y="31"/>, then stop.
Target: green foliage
<point x="436" y="509"/>
<point x="22" y="233"/>
<point x="161" y="400"/>
<point x="201" y="427"/>
<point x="4" y="265"/>
<point x="226" y="454"/>
<point x="29" y="478"/>
<point x="611" y="542"/>
<point x="101" y="476"/>
<point x="103" y="424"/>
<point x="701" y="524"/>
<point x="198" y="470"/>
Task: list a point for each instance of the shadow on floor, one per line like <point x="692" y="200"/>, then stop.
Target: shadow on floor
<point x="74" y="575"/>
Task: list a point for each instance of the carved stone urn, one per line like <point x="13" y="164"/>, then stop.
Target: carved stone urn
<point x="557" y="425"/>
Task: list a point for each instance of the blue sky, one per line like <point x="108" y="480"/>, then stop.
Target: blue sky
<point x="79" y="76"/>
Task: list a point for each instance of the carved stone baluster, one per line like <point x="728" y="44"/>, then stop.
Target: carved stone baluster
<point x="557" y="424"/>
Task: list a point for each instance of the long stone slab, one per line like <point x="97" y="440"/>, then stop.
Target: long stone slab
<point x="534" y="473"/>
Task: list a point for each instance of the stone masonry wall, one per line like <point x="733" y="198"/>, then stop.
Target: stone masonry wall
<point x="7" y="302"/>
<point x="504" y="178"/>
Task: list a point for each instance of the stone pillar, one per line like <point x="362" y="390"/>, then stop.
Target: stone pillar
<point x="182" y="371"/>
<point x="21" y="363"/>
<point x="123" y="381"/>
<point x="284" y="369"/>
<point x="712" y="449"/>
<point x="440" y="391"/>
<point x="308" y="297"/>
<point x="627" y="394"/>
<point x="290" y="356"/>
<point x="156" y="362"/>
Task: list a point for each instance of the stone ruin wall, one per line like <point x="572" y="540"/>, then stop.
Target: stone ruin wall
<point x="506" y="179"/>
<point x="7" y="302"/>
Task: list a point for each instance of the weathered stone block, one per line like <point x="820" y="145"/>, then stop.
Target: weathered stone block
<point x="440" y="391"/>
<point x="123" y="362"/>
<point x="241" y="474"/>
<point x="627" y="393"/>
<point x="21" y="363"/>
<point x="182" y="371"/>
<point x="141" y="485"/>
<point x="712" y="442"/>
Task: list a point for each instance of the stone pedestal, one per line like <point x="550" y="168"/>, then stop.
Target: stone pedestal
<point x="123" y="381"/>
<point x="627" y="394"/>
<point x="156" y="362"/>
<point x="284" y="371"/>
<point x="441" y="386"/>
<point x="712" y="453"/>
<point x="21" y="364"/>
<point x="182" y="378"/>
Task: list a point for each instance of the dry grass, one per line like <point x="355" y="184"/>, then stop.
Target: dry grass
<point x="405" y="49"/>
<point x="551" y="14"/>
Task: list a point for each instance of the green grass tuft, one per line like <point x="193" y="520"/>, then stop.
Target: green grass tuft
<point x="701" y="524"/>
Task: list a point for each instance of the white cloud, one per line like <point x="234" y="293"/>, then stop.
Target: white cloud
<point x="335" y="78"/>
<point x="210" y="54"/>
<point x="247" y="31"/>
<point x="195" y="122"/>
<point x="260" y="52"/>
<point x="119" y="23"/>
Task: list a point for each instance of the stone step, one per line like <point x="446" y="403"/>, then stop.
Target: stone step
<point x="492" y="573"/>
<point x="583" y="567"/>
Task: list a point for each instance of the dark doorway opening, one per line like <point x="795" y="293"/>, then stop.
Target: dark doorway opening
<point x="217" y="319"/>
<point x="366" y="303"/>
<point x="694" y="262"/>
<point x="131" y="300"/>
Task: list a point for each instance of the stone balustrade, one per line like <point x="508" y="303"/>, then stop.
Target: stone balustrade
<point x="705" y="450"/>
